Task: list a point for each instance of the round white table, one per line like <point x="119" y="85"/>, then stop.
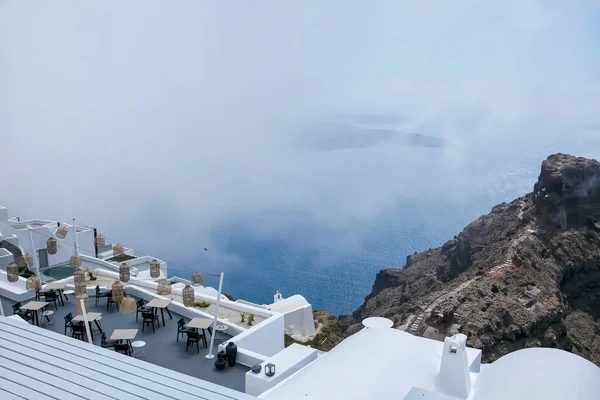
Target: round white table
<point x="222" y="328"/>
<point x="49" y="316"/>
<point x="139" y="344"/>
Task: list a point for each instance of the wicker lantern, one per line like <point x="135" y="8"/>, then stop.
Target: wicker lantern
<point x="118" y="249"/>
<point x="33" y="284"/>
<point x="164" y="288"/>
<point x="61" y="232"/>
<point x="117" y="292"/>
<point x="128" y="305"/>
<point x="188" y="296"/>
<point x="51" y="246"/>
<point x="197" y="278"/>
<point x="75" y="260"/>
<point x="85" y="299"/>
<point x="12" y="272"/>
<point x="154" y="268"/>
<point x="124" y="272"/>
<point x="25" y="260"/>
<point x="100" y="241"/>
<point x="80" y="289"/>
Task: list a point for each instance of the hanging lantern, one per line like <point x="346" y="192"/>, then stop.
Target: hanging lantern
<point x="164" y="288"/>
<point x="25" y="260"/>
<point x="75" y="261"/>
<point x="124" y="273"/>
<point x="33" y="284"/>
<point x="128" y="305"/>
<point x="154" y="268"/>
<point x="12" y="272"/>
<point x="100" y="241"/>
<point x="197" y="278"/>
<point x="188" y="296"/>
<point x="61" y="232"/>
<point x="117" y="292"/>
<point x="118" y="249"/>
<point x="51" y="246"/>
<point x="85" y="299"/>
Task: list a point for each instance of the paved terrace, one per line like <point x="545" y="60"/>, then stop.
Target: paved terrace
<point x="161" y="347"/>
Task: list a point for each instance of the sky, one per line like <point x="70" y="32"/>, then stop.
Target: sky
<point x="159" y="121"/>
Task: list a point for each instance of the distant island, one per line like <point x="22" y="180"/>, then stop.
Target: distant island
<point x="333" y="136"/>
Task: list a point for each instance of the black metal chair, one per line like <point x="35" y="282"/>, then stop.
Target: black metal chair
<point x="122" y="348"/>
<point x="26" y="315"/>
<point x="181" y="329"/>
<point x="100" y="294"/>
<point x="110" y="301"/>
<point x="149" y="319"/>
<point x="78" y="331"/>
<point x="193" y="337"/>
<point x="51" y="298"/>
<point x="140" y="308"/>
<point x="107" y="343"/>
<point x="68" y="321"/>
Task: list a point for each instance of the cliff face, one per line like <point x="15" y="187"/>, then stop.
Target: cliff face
<point x="525" y="275"/>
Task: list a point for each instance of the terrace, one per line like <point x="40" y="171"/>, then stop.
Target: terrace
<point x="161" y="347"/>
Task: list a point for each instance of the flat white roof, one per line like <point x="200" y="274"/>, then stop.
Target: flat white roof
<point x="36" y="363"/>
<point x="375" y="363"/>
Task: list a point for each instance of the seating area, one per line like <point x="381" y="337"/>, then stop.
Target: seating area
<point x="152" y="333"/>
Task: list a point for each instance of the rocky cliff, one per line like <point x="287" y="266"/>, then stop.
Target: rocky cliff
<point x="525" y="275"/>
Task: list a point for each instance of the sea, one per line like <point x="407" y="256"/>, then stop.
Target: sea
<point x="431" y="194"/>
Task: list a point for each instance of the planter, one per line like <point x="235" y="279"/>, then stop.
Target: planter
<point x="231" y="351"/>
<point x="220" y="364"/>
<point x="222" y="355"/>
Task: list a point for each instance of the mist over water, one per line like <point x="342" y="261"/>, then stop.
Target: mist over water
<point x="177" y="127"/>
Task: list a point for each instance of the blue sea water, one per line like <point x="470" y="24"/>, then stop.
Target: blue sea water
<point x="433" y="206"/>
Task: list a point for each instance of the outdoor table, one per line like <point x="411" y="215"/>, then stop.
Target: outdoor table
<point x="124" y="334"/>
<point x="57" y="287"/>
<point x="92" y="317"/>
<point x="161" y="304"/>
<point x="221" y="328"/>
<point x="35" y="306"/>
<point x="200" y="323"/>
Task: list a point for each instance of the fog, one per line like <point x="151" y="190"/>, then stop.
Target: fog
<point x="161" y="122"/>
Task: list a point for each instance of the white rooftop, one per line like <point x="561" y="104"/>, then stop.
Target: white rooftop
<point x="36" y="363"/>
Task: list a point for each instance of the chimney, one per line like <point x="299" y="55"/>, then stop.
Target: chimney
<point x="277" y="297"/>
<point x="454" y="377"/>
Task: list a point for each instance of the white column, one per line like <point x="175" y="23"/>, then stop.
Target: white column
<point x="214" y="324"/>
<point x="35" y="256"/>
<point x="85" y="321"/>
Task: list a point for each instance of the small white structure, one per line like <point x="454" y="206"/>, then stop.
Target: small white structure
<point x="278" y="297"/>
<point x="454" y="378"/>
<point x="299" y="320"/>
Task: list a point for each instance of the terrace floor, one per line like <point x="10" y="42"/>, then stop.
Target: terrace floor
<point x="161" y="347"/>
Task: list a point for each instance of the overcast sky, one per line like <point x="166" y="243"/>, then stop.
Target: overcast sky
<point x="114" y="111"/>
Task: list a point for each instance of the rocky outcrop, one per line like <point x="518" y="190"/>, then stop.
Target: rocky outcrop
<point x="527" y="274"/>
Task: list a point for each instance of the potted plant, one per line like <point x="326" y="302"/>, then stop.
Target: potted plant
<point x="250" y="319"/>
<point x="242" y="317"/>
<point x="91" y="275"/>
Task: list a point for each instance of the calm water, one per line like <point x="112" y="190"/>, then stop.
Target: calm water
<point x="338" y="274"/>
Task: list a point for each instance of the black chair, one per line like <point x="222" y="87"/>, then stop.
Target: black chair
<point x="110" y="301"/>
<point x="100" y="294"/>
<point x="181" y="329"/>
<point x="26" y="315"/>
<point x="68" y="321"/>
<point x="108" y="343"/>
<point x="51" y="298"/>
<point x="149" y="319"/>
<point x="78" y="331"/>
<point x="193" y="337"/>
<point x="122" y="348"/>
<point x="140" y="308"/>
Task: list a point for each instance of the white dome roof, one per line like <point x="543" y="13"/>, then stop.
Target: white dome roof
<point x="538" y="373"/>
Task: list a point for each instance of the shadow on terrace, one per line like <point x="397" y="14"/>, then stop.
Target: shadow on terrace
<point x="161" y="348"/>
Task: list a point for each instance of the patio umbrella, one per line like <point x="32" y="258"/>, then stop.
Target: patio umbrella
<point x="124" y="272"/>
<point x="197" y="278"/>
<point x="51" y="246"/>
<point x="188" y="296"/>
<point x="33" y="284"/>
<point x="164" y="288"/>
<point x="12" y="272"/>
<point x="154" y="268"/>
